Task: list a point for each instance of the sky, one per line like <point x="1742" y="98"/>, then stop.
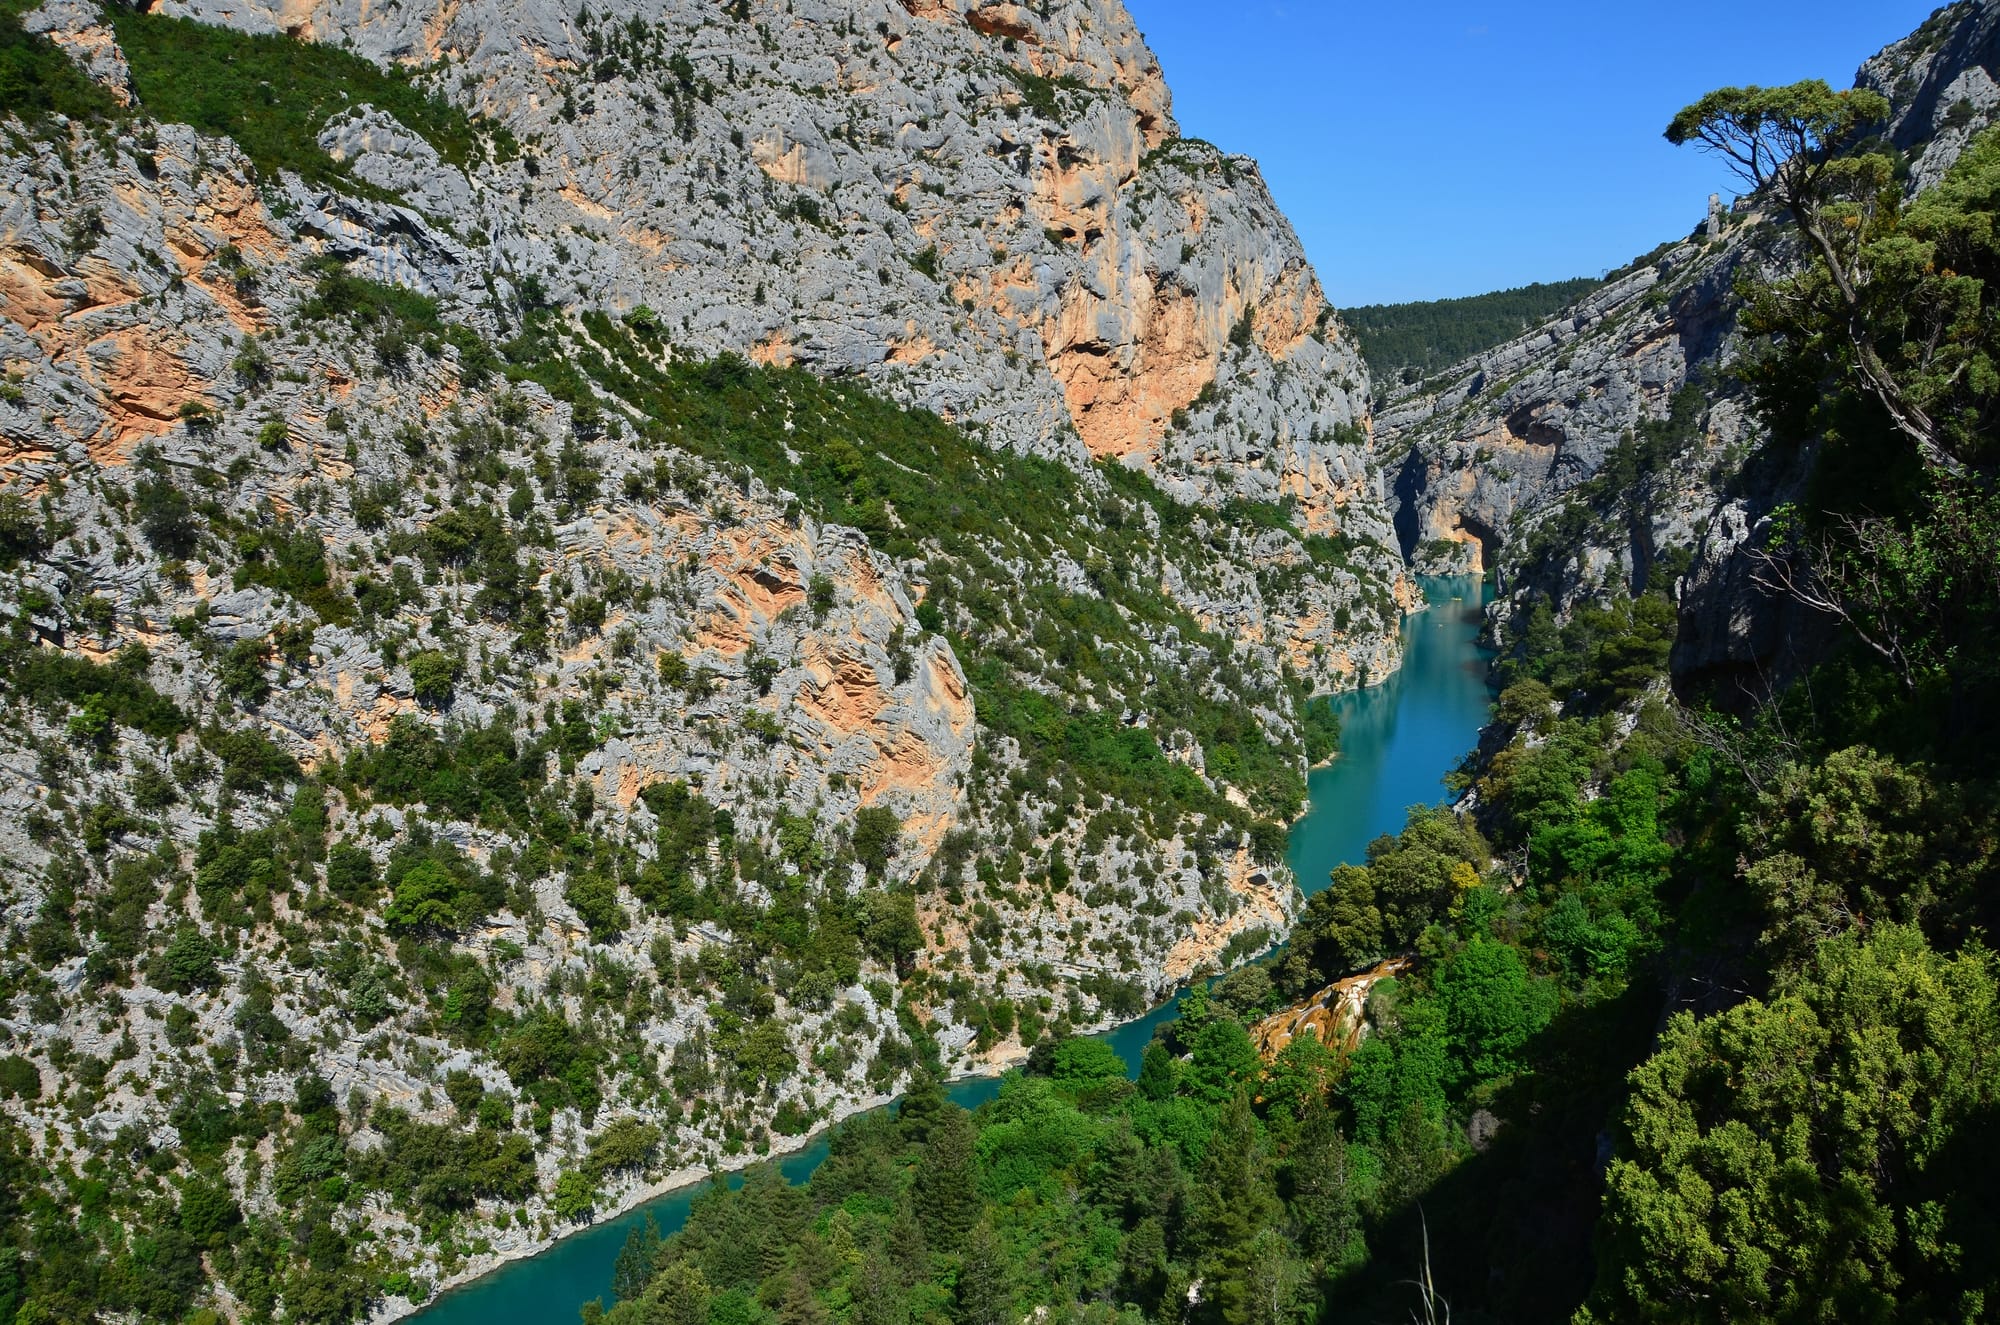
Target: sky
<point x="1431" y="148"/>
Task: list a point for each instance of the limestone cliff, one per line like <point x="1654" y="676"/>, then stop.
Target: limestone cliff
<point x="1052" y="265"/>
<point x="488" y="647"/>
<point x="1498" y="455"/>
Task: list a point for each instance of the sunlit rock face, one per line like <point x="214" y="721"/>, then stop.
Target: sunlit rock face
<point x="985" y="211"/>
<point x="1494" y="458"/>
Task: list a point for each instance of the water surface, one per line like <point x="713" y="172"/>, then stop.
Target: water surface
<point x="1397" y="742"/>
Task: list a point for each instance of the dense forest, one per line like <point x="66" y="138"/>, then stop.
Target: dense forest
<point x="1405" y="343"/>
<point x="1702" y="1024"/>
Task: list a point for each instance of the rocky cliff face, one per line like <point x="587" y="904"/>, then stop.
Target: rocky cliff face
<point x="438" y="678"/>
<point x="1053" y="265"/>
<point x="1612" y="448"/>
<point x="1940" y="83"/>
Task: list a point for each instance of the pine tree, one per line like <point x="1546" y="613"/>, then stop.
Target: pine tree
<point x="634" y="1268"/>
<point x="878" y="1297"/>
<point x="800" y="1305"/>
<point x="1229" y="1208"/>
<point x="1322" y="1201"/>
<point x="1156" y="1072"/>
<point x="923" y="1102"/>
<point x="1143" y="1272"/>
<point x="945" y="1195"/>
<point x="679" y="1296"/>
<point x="985" y="1295"/>
<point x="909" y="1249"/>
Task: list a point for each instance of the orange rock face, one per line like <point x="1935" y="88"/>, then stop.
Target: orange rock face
<point x="1337" y="1013"/>
<point x="1121" y="397"/>
<point x="143" y="383"/>
<point x="135" y="374"/>
<point x="1004" y="20"/>
<point x="1263" y="903"/>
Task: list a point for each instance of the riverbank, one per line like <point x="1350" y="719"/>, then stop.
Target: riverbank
<point x="1398" y="739"/>
<point x="459" y="1300"/>
<point x="437" y="1309"/>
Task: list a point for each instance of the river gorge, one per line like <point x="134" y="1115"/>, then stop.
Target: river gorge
<point x="1398" y="740"/>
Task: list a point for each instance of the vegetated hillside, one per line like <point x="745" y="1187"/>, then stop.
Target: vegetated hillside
<point x="1687" y="1014"/>
<point x="585" y="592"/>
<point x="1408" y="342"/>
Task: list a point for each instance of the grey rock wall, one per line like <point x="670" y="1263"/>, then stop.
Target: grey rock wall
<point x="1492" y="457"/>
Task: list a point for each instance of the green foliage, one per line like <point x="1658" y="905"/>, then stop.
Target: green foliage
<point x="22" y="534"/>
<point x="485" y="773"/>
<point x="1609" y="654"/>
<point x="1492" y="1007"/>
<point x="625" y="1143"/>
<point x="1321" y="728"/>
<point x="250" y="761"/>
<point x="945" y="1193"/>
<point x="1859" y="834"/>
<point x="1221" y="1062"/>
<point x="575" y="1196"/>
<point x="402" y="317"/>
<point x="439" y="1170"/>
<point x="596" y="901"/>
<point x="291" y="559"/>
<point x="241" y="674"/>
<point x="687" y="823"/>
<point x="877" y="832"/>
<point x="1610" y="862"/>
<point x="889" y="928"/>
<point x="186" y="964"/>
<point x="273" y="94"/>
<point x="38" y="78"/>
<point x="119" y="689"/>
<point x="1377" y="909"/>
<point x="1417" y="339"/>
<point x="1073" y="1192"/>
<point x="1821" y="1156"/>
<point x="166" y="517"/>
<point x="435" y="888"/>
<point x="1043" y="95"/>
<point x="1758" y="129"/>
<point x="19" y="1079"/>
<point x="433" y="674"/>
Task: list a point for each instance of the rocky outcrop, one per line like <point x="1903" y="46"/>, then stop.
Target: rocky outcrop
<point x="1337" y="1014"/>
<point x="1498" y="443"/>
<point x="1052" y="265"/>
<point x="1496" y="457"/>
<point x="78" y="27"/>
<point x="1941" y="81"/>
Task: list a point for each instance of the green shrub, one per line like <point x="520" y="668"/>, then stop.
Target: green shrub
<point x="38" y="78"/>
<point x="188" y="963"/>
<point x="433" y="674"/>
<point x="273" y="94"/>
<point x="625" y="1143"/>
<point x="242" y="675"/>
<point x="19" y="1078"/>
<point x="595" y="899"/>
<point x="877" y="834"/>
<point x="575" y="1196"/>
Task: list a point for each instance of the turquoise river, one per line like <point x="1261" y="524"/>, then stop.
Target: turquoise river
<point x="1397" y="742"/>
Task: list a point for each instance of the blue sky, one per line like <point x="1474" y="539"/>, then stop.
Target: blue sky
<point x="1427" y="148"/>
